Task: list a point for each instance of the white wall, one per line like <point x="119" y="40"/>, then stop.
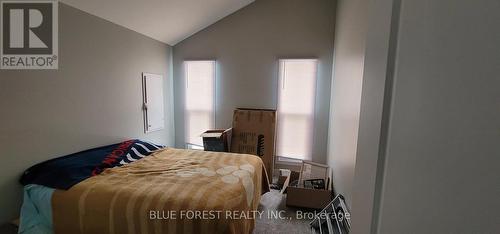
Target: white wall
<point x="438" y="164"/>
<point x="93" y="99"/>
<point x="349" y="46"/>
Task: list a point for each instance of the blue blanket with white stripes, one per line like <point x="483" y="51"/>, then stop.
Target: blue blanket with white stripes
<point x="66" y="171"/>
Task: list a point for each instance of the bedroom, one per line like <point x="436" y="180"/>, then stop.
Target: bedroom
<point x="383" y="78"/>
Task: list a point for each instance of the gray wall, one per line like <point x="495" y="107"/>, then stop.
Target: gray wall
<point x="92" y="100"/>
<point x="247" y="46"/>
<point x="438" y="165"/>
<point x="350" y="35"/>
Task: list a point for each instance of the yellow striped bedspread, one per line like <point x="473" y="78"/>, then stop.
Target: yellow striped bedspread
<point x="170" y="191"/>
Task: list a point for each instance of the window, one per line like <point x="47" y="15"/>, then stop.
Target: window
<point x="200" y="100"/>
<point x="297" y="89"/>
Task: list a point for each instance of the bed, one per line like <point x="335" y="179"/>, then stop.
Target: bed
<point x="166" y="191"/>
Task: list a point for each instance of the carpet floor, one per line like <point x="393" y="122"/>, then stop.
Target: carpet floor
<point x="273" y="202"/>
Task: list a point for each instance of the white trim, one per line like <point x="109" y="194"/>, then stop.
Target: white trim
<point x="193" y="146"/>
<point x="375" y="104"/>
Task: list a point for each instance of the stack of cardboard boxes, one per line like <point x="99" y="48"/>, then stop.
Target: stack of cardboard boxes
<point x="253" y="132"/>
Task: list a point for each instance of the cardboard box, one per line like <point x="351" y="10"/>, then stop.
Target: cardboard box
<point x="308" y="198"/>
<point x="218" y="140"/>
<point x="254" y="133"/>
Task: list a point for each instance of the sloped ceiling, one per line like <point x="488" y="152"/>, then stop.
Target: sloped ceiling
<point x="169" y="21"/>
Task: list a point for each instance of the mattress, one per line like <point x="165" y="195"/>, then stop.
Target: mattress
<point x="123" y="199"/>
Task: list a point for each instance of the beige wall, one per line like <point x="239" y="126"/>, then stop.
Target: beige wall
<point x="350" y="36"/>
<point x="92" y="100"/>
<point x="247" y="46"/>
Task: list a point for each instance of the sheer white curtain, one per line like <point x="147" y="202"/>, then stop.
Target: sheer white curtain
<point x="200" y="100"/>
<point x="297" y="91"/>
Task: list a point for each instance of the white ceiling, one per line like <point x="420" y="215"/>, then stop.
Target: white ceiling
<point x="169" y="21"/>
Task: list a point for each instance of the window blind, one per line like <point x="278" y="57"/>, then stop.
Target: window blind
<point x="296" y="99"/>
<point x="200" y="100"/>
